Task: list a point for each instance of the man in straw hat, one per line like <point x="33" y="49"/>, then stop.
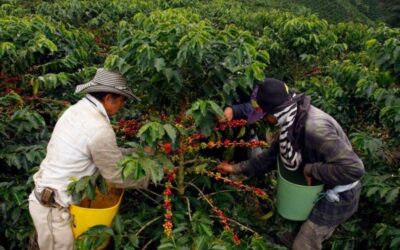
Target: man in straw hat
<point x="312" y="142"/>
<point x="83" y="143"/>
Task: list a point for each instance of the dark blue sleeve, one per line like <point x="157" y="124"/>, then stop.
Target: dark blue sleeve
<point x="241" y="111"/>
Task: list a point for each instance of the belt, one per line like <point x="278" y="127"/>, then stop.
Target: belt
<point x="46" y="197"/>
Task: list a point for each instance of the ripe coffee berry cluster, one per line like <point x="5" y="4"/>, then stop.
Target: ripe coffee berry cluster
<point x="224" y="221"/>
<point x="231" y="124"/>
<point x="228" y="143"/>
<point x="239" y="185"/>
<point x="168" y="225"/>
<point x="129" y="127"/>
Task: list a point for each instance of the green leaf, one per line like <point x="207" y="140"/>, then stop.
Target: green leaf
<point x="42" y="41"/>
<point x="203" y="113"/>
<point x="94" y="237"/>
<point x="168" y="73"/>
<point x="152" y="169"/>
<point x="81" y="184"/>
<point x="258" y="70"/>
<point x="392" y="195"/>
<point x="18" y="198"/>
<point x="171" y="131"/>
<point x="134" y="170"/>
<point x="159" y="64"/>
<point x="151" y="132"/>
<point x="134" y="240"/>
<point x="206" y="126"/>
<point x="165" y="161"/>
<point x="372" y="191"/>
<point x="216" y="109"/>
<point x="99" y="229"/>
<point x="10" y="98"/>
<point x="118" y="224"/>
<point x="203" y="108"/>
<point x="102" y="185"/>
<point x="166" y="246"/>
<point x="77" y="197"/>
<point x="90" y="191"/>
<point x="35" y="85"/>
<point x="6" y="47"/>
<point x="228" y="154"/>
<point x="242" y="132"/>
<point x="267" y="216"/>
<point x="218" y="247"/>
<point x="258" y="244"/>
<point x="111" y="61"/>
<point x="383" y="191"/>
<point x="395" y="243"/>
<point x="205" y="229"/>
<point x="200" y="243"/>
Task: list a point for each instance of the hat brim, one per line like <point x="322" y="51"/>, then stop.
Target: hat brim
<point x="255" y="116"/>
<point x="91" y="87"/>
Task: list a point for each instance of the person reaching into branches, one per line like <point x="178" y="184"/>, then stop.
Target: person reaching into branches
<point x="312" y="142"/>
<point x="238" y="111"/>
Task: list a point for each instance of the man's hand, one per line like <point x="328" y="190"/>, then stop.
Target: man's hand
<point x="228" y="114"/>
<point x="307" y="174"/>
<point x="224" y="168"/>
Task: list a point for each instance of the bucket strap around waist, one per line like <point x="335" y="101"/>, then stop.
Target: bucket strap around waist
<point x="332" y="195"/>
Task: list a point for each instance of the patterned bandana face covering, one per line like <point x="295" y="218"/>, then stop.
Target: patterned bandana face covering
<point x="290" y="157"/>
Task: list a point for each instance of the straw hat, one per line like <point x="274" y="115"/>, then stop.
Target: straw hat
<point x="107" y="81"/>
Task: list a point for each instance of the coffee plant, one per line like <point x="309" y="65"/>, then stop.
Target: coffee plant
<point x="187" y="60"/>
<point x="185" y="57"/>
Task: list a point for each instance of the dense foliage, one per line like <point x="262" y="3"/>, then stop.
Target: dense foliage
<point x="187" y="60"/>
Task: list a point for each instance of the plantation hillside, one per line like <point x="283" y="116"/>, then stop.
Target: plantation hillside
<point x="187" y="60"/>
<point x="367" y="12"/>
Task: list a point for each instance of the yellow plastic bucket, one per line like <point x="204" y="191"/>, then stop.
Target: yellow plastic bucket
<point x="100" y="211"/>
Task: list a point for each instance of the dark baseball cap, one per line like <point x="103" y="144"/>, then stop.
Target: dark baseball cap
<point x="267" y="97"/>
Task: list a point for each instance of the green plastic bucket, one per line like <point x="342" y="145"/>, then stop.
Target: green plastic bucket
<point x="295" y="199"/>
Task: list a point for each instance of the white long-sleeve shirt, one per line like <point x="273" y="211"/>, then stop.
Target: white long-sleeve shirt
<point x="82" y="143"/>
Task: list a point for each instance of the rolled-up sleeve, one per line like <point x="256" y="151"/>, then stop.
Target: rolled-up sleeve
<point x="106" y="154"/>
